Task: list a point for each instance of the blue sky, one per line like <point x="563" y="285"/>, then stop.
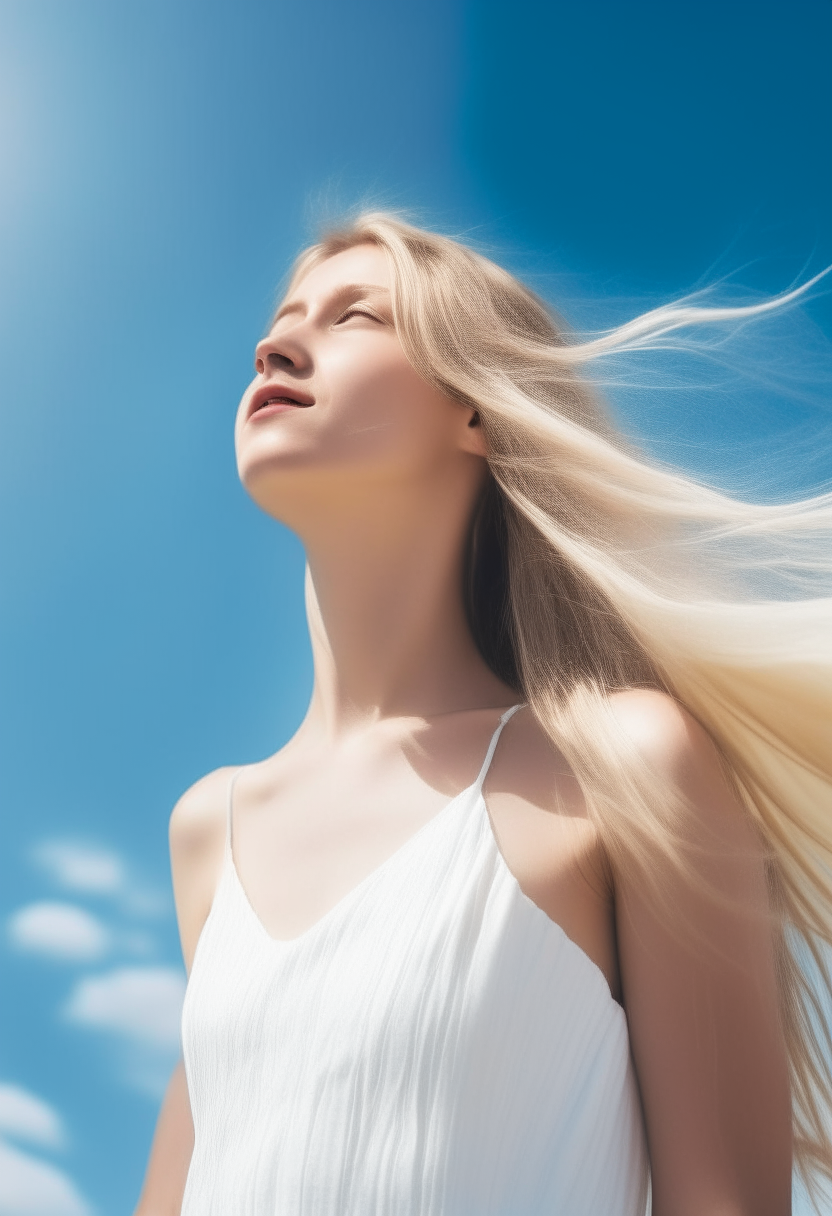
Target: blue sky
<point x="159" y="166"/>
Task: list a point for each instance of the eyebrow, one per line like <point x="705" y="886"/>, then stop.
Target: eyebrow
<point x="352" y="291"/>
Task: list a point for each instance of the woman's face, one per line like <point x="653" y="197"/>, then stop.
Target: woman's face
<point x="336" y="412"/>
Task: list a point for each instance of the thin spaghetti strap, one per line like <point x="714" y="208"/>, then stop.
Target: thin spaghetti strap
<point x="230" y="808"/>
<point x="495" y="739"/>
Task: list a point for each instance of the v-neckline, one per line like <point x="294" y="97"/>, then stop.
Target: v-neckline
<point x="286" y="943"/>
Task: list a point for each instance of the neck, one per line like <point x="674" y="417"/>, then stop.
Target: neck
<point x="387" y="618"/>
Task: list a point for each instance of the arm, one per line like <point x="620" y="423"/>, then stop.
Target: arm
<point x="703" y="1015"/>
<point x="170" y="1154"/>
<point x="197" y="834"/>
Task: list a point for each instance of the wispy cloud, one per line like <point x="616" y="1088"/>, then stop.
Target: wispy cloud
<point x="85" y="868"/>
<point x="94" y="870"/>
<point x="141" y="1003"/>
<point x="135" y="1009"/>
<point x="59" y="931"/>
<point x="30" y="1186"/>
<point x="141" y="1007"/>
<point x="25" y="1117"/>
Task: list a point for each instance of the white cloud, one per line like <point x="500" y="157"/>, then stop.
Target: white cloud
<point x="59" y="931"/>
<point x="143" y="1004"/>
<point x="31" y="1187"/>
<point x="79" y="867"/>
<point x="25" y="1117"/>
<point x="95" y="870"/>
<point x="140" y="1009"/>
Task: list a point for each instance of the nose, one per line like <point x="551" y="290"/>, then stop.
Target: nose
<point x="280" y="353"/>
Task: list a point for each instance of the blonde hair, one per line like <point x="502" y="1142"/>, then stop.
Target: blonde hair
<point x="612" y="572"/>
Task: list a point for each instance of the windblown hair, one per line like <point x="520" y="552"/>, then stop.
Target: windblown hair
<point x="592" y="569"/>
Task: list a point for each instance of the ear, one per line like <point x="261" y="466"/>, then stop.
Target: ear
<point x="473" y="439"/>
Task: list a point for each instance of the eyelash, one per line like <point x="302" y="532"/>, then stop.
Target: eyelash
<point x="355" y="312"/>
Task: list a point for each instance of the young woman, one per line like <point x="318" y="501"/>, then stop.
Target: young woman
<point x="518" y="922"/>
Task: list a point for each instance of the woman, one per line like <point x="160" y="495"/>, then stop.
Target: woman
<point x="519" y="908"/>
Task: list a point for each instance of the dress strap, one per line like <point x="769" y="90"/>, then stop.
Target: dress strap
<point x="230" y="809"/>
<point x="489" y="756"/>
<point x="495" y="739"/>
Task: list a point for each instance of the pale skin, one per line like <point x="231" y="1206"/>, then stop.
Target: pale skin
<point x="378" y="474"/>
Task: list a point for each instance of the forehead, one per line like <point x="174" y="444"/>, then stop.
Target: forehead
<point x="366" y="264"/>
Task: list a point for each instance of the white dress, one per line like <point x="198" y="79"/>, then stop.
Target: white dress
<point x="435" y="1045"/>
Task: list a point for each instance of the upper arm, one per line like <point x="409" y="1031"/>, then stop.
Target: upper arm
<point x="701" y="996"/>
<point x="170" y="1155"/>
<point x="197" y="835"/>
<point x="197" y="840"/>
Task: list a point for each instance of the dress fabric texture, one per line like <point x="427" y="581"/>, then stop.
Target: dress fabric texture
<point x="435" y="1045"/>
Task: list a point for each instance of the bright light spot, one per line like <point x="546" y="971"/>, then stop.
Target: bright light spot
<point x="86" y="868"/>
<point x="59" y="931"/>
<point x="29" y="1187"/>
<point x="143" y="1004"/>
<point x="25" y="1117"/>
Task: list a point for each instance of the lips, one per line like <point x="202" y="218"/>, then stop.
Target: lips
<point x="278" y="397"/>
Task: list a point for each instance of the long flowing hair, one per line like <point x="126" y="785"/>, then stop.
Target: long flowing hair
<point x="592" y="569"/>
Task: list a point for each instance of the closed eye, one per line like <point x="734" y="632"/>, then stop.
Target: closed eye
<point x="358" y="312"/>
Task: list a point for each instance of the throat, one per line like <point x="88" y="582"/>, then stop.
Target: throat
<point x="389" y="631"/>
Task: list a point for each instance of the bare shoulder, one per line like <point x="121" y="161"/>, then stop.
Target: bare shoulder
<point x="679" y="751"/>
<point x="197" y="838"/>
<point x="673" y="747"/>
<point x="664" y="731"/>
<point x="667" y="738"/>
<point x="199" y="815"/>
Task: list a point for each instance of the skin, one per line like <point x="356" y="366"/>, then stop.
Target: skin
<point x="379" y="478"/>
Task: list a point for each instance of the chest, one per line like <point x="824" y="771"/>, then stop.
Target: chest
<point x="299" y="855"/>
<point x="432" y="1011"/>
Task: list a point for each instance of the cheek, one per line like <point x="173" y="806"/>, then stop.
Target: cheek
<point x="388" y="412"/>
<point x="374" y="419"/>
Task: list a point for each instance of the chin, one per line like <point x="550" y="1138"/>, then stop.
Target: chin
<point x="286" y="488"/>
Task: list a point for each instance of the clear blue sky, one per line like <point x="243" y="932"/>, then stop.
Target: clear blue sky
<point x="159" y="166"/>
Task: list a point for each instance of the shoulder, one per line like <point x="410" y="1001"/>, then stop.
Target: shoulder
<point x="200" y="813"/>
<point x="679" y="752"/>
<point x="664" y="732"/>
<point x="681" y="764"/>
<point x="197" y="839"/>
<point x="707" y="854"/>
